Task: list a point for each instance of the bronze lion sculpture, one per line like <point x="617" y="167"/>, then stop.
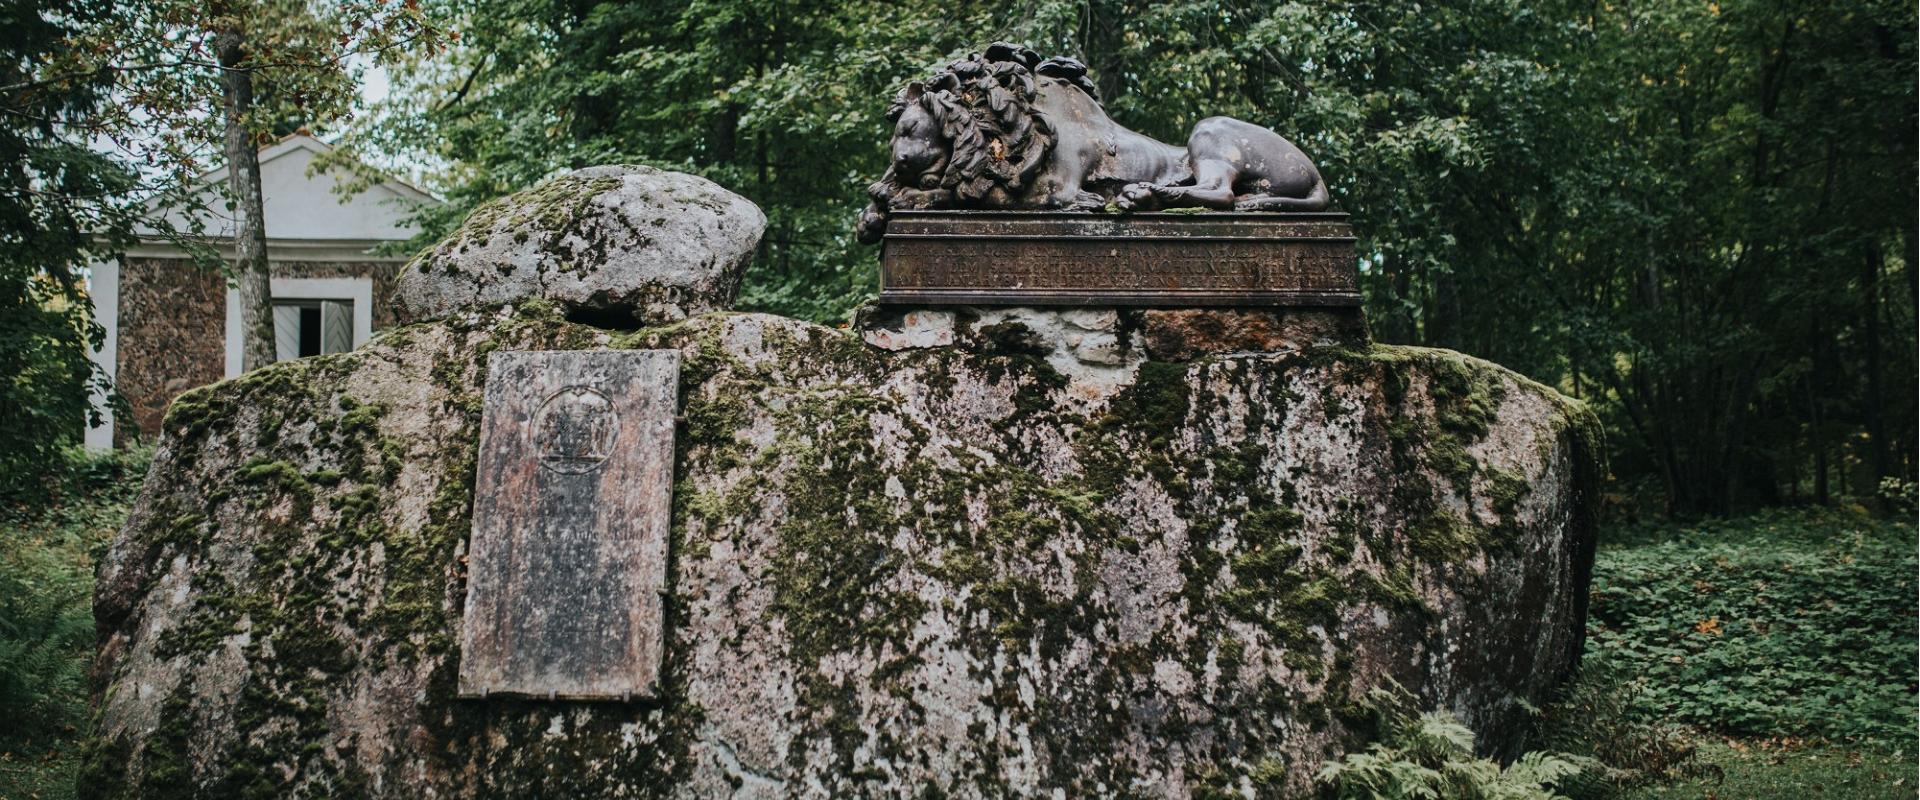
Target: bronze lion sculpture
<point x="1009" y="130"/>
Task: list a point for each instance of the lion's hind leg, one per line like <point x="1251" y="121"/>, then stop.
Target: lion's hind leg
<point x="1213" y="189"/>
<point x="1212" y="186"/>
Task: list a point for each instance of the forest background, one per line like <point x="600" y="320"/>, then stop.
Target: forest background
<point x="1699" y="217"/>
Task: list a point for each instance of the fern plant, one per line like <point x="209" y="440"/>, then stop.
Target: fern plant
<point x="1430" y="757"/>
<point x="1603" y="714"/>
<point x="46" y="631"/>
<point x="47" y="549"/>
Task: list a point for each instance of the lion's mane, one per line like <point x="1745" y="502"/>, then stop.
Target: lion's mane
<point x="998" y="141"/>
<point x="984" y="105"/>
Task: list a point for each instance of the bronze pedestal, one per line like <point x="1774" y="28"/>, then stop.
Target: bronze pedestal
<point x="1166" y="260"/>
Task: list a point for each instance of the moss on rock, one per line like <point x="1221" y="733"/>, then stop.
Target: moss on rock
<point x="925" y="569"/>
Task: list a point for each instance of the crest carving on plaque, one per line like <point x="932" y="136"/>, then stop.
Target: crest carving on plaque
<point x="567" y="563"/>
<point x="574" y="430"/>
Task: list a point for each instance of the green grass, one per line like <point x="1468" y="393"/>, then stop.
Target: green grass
<point x="47" y="552"/>
<point x="37" y="776"/>
<point x="1752" y="772"/>
<point x="1783" y="624"/>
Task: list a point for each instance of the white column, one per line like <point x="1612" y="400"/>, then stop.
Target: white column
<point x="103" y="285"/>
<point x="233" y="347"/>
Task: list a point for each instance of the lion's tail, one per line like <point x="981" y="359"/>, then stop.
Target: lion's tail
<point x="872" y="226"/>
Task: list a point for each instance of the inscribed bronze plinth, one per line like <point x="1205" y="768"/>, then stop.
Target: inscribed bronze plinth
<point x="1164" y="260"/>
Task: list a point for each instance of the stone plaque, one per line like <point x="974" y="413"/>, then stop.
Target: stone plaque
<point x="1167" y="260"/>
<point x="572" y="497"/>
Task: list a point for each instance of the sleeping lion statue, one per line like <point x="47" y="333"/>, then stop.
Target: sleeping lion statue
<point x="1008" y="130"/>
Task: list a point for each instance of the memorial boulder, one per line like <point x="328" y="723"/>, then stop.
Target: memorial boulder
<point x="1083" y="506"/>
<point x="955" y="566"/>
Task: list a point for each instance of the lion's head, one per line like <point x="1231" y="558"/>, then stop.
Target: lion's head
<point x="968" y="136"/>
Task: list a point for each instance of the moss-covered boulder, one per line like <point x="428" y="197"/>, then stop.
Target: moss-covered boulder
<point x="619" y="243"/>
<point x="937" y="571"/>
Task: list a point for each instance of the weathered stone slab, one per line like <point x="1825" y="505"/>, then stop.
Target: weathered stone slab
<point x="571" y="507"/>
<point x="631" y="245"/>
<point x="1165" y="260"/>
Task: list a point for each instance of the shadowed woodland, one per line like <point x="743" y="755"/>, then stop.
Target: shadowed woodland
<point x="1698" y="217"/>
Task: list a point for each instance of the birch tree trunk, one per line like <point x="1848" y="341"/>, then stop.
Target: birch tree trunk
<point x="253" y="281"/>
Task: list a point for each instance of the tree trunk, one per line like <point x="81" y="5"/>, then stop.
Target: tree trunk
<point x="1822" y="494"/>
<point x="253" y="281"/>
<point x="1101" y="37"/>
<point x="1876" y="384"/>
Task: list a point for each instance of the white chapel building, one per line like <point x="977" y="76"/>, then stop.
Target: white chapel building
<point x="172" y="325"/>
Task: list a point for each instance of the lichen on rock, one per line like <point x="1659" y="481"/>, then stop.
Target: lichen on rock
<point x="957" y="569"/>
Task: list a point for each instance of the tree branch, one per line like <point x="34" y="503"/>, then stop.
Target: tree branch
<point x="465" y="85"/>
<point x="212" y="65"/>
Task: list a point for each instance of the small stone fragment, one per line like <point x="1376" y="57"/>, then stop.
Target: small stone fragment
<point x="1092" y="319"/>
<point x="915" y="329"/>
<point x="1188" y="333"/>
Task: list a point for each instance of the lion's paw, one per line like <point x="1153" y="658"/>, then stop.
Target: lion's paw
<point x="1135" y="197"/>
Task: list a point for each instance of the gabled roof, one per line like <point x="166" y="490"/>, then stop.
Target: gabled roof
<point x="304" y="208"/>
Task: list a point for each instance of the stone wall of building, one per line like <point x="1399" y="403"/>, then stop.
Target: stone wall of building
<point x="172" y="328"/>
<point x="172" y="337"/>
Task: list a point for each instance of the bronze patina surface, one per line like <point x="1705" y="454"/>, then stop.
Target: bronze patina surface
<point x="1007" y="129"/>
<point x="1163" y="260"/>
<point x="571" y="507"/>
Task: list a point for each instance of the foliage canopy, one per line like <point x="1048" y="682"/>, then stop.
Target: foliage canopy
<point x="1697" y="215"/>
<point x="55" y="194"/>
<point x="108" y="111"/>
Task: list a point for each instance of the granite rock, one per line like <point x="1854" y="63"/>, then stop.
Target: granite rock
<point x="623" y="246"/>
<point x="953" y="569"/>
<point x="1181" y="334"/>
